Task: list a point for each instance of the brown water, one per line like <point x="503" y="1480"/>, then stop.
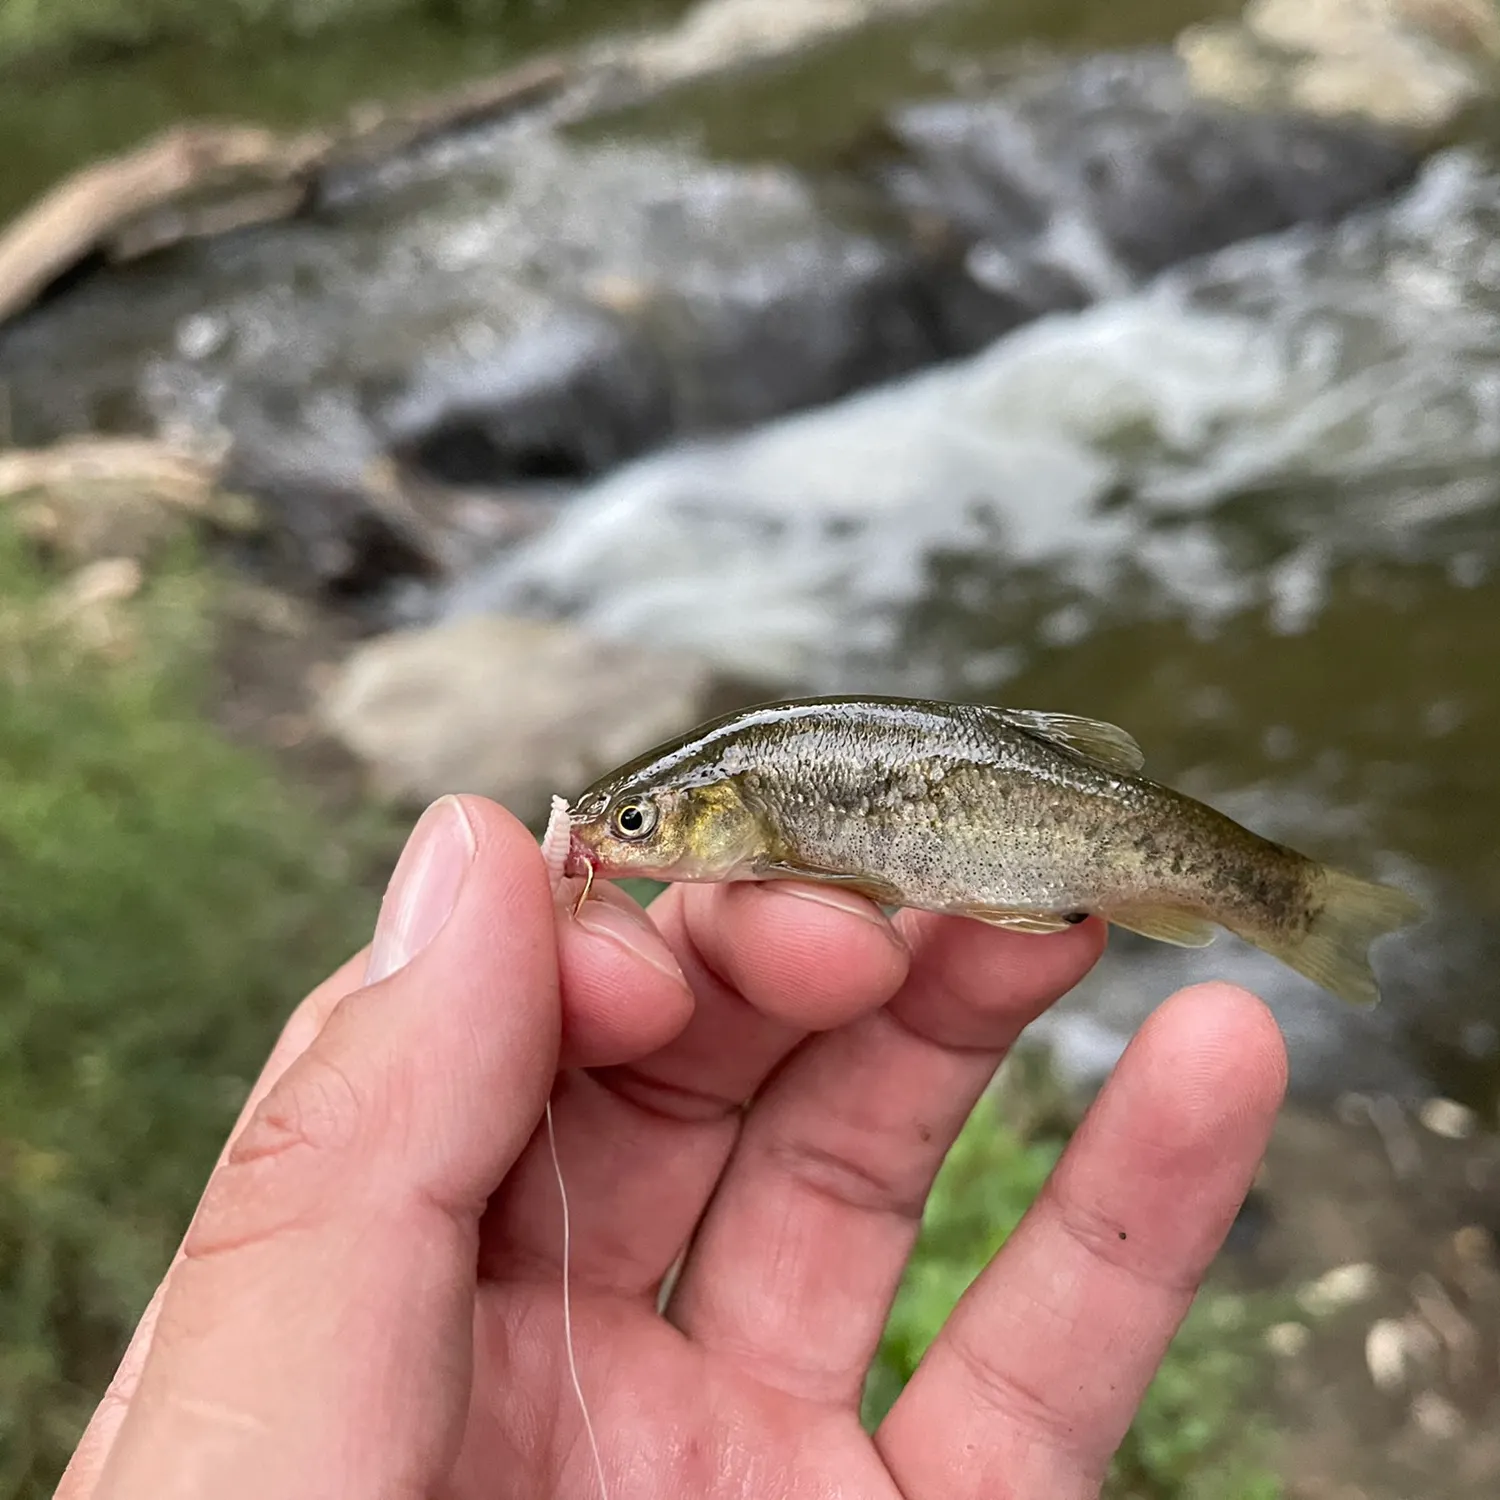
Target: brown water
<point x="810" y="111"/>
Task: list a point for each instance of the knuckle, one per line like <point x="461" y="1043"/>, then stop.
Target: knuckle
<point x="1015" y="1402"/>
<point x="315" y="1105"/>
<point x="281" y="1172"/>
<point x="1108" y="1241"/>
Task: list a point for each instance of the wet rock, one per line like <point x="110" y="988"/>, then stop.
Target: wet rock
<point x="1082" y="181"/>
<point x="1448" y="1118"/>
<point x="512" y="709"/>
<point x="1392" y="1347"/>
<point x="326" y="532"/>
<point x="1437" y="1416"/>
<point x="569" y="398"/>
<point x="1414" y="65"/>
<point x="1343" y="1286"/>
<point x="1288" y="1340"/>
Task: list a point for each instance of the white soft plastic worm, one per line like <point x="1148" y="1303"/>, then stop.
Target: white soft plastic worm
<point x="556" y="842"/>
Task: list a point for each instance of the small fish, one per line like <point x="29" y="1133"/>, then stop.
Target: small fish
<point x="1029" y="821"/>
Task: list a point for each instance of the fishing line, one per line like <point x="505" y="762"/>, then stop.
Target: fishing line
<point x="555" y="843"/>
<point x="567" y="1295"/>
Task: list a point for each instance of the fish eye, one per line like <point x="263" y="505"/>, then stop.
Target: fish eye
<point x="634" y="820"/>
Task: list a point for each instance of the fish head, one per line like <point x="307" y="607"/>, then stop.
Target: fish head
<point x="635" y="826"/>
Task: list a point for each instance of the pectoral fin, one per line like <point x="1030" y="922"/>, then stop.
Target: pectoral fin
<point x="1015" y="921"/>
<point x="1166" y="924"/>
<point x="879" y="891"/>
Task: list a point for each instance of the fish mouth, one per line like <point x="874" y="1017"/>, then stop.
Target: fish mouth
<point x="581" y="860"/>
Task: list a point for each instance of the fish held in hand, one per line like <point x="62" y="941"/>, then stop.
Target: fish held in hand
<point x="1029" y="821"/>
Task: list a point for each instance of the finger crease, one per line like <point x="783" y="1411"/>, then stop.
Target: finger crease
<point x="697" y="967"/>
<point x="845" y="1182"/>
<point x="994" y="1050"/>
<point x="1015" y="1401"/>
<point x="675" y="1103"/>
<point x="1106" y="1240"/>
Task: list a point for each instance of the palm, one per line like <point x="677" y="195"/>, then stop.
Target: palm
<point x="672" y="1420"/>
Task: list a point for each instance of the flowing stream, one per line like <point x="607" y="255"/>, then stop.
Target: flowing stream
<point x="1248" y="507"/>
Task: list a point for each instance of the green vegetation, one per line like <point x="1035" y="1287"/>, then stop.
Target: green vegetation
<point x="164" y="899"/>
<point x="64" y="29"/>
<point x="30" y="28"/>
<point x="1192" y="1439"/>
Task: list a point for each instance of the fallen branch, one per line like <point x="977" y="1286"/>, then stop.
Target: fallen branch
<point x="78" y="216"/>
<point x="177" y="476"/>
<point x="199" y="180"/>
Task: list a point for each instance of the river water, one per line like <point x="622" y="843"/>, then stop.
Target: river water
<point x="1250" y="510"/>
<point x="1250" y="513"/>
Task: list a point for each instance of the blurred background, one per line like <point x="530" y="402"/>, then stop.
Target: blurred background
<point x="405" y="396"/>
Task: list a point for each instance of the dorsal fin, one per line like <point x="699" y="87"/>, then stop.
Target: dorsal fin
<point x="1106" y="745"/>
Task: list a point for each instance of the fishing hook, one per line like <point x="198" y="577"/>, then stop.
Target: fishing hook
<point x="588" y="885"/>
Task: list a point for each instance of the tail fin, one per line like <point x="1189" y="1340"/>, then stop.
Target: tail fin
<point x="1334" y="952"/>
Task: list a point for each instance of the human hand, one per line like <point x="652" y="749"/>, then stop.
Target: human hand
<point x="368" y="1301"/>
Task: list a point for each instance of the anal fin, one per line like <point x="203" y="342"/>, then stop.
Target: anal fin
<point x="1167" y="924"/>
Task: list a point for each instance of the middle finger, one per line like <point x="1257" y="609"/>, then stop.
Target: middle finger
<point x="642" y="1145"/>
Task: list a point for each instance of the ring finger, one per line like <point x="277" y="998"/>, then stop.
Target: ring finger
<point x="800" y="1256"/>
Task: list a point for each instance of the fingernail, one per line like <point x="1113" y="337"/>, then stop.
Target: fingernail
<point x="837" y="900"/>
<point x="424" y="888"/>
<point x="633" y="933"/>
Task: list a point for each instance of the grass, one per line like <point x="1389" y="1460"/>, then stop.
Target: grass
<point x="42" y="28"/>
<point x="67" y="30"/>
<point x="164" y="899"/>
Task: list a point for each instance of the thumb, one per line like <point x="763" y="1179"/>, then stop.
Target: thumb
<point x="315" y="1337"/>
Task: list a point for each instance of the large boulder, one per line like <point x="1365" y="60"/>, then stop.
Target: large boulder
<point x="1082" y="181"/>
<point x="1413" y="65"/>
<point x="513" y="709"/>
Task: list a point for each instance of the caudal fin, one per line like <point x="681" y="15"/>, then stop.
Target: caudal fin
<point x="1334" y="952"/>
